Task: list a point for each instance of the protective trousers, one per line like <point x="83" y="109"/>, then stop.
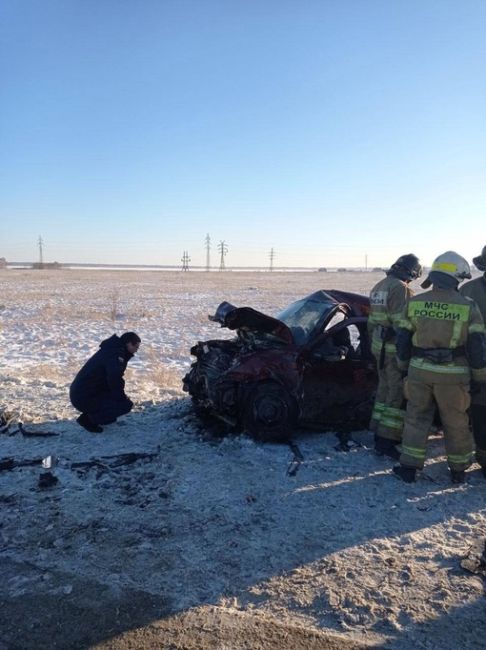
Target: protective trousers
<point x="452" y="400"/>
<point x="388" y="412"/>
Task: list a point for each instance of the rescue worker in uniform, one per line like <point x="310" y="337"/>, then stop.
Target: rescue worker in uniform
<point x="442" y="342"/>
<point x="98" y="390"/>
<point x="476" y="289"/>
<point x="387" y="300"/>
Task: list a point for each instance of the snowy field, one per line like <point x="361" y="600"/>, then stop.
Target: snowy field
<point x="208" y="527"/>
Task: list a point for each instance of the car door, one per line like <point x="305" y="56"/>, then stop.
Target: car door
<point x="339" y="377"/>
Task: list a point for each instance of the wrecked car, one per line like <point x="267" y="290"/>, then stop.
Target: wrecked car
<point x="310" y="366"/>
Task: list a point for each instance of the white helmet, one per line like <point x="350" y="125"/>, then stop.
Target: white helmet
<point x="451" y="264"/>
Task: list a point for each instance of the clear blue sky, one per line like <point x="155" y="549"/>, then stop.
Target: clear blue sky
<point x="325" y="129"/>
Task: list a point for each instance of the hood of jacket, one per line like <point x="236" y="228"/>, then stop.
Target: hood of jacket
<point x="114" y="344"/>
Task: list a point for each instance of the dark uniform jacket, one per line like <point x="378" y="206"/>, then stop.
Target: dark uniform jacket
<point x="103" y="373"/>
<point x="476" y="289"/>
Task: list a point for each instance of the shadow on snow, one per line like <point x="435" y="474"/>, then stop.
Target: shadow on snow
<point x="106" y="551"/>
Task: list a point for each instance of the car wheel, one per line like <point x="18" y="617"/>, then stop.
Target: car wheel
<point x="268" y="411"/>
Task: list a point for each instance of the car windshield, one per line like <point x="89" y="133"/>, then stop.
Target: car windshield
<point x="303" y="316"/>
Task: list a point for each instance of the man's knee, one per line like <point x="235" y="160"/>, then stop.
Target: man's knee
<point x="106" y="411"/>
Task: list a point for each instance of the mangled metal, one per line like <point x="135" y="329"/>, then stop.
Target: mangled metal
<point x="309" y="366"/>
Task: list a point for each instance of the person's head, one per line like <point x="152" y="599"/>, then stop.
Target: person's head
<point x="480" y="261"/>
<point x="131" y="341"/>
<point x="406" y="268"/>
<point x="448" y="270"/>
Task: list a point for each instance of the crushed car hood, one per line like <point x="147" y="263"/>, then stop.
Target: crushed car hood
<point x="246" y="318"/>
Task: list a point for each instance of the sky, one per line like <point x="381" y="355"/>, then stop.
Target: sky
<point x="336" y="132"/>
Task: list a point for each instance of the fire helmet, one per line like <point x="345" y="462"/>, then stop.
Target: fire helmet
<point x="407" y="267"/>
<point x="450" y="264"/>
<point x="480" y="261"/>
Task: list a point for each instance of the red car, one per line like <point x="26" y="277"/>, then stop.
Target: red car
<point x="311" y="366"/>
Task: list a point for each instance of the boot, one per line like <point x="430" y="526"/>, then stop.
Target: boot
<point x="87" y="423"/>
<point x="386" y="447"/>
<point x="458" y="476"/>
<point x="407" y="474"/>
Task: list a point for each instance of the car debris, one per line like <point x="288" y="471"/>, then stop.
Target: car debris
<point x="47" y="480"/>
<point x="311" y="366"/>
<point x="11" y="463"/>
<point x="10" y="424"/>
<point x="112" y="462"/>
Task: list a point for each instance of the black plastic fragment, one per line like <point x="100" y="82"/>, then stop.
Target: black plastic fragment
<point x="47" y="480"/>
<point x="296" y="461"/>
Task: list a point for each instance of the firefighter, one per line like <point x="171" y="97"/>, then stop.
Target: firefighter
<point x="476" y="289"/>
<point x="387" y="300"/>
<point x="442" y="342"/>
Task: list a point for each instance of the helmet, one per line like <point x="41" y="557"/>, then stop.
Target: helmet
<point x="450" y="264"/>
<point x="480" y="261"/>
<point x="407" y="267"/>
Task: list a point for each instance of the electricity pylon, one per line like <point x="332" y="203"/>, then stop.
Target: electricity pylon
<point x="207" y="243"/>
<point x="271" y="255"/>
<point x="41" y="255"/>
<point x="185" y="259"/>
<point x="223" y="249"/>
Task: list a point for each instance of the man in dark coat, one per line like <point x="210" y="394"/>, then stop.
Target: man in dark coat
<point x="98" y="390"/>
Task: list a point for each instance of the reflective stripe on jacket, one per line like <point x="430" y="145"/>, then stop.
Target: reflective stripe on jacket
<point x="387" y="300"/>
<point x="441" y="320"/>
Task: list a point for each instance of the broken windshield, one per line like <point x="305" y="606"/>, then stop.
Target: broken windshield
<point x="303" y="316"/>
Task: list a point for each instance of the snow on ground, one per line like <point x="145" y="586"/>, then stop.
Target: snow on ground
<point x="341" y="545"/>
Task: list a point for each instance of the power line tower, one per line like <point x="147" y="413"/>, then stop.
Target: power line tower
<point x="207" y="243"/>
<point x="223" y="249"/>
<point x="185" y="259"/>
<point x="271" y="255"/>
<point x="41" y="255"/>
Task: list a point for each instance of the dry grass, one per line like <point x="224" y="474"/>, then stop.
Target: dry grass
<point x="167" y="377"/>
<point x="50" y="372"/>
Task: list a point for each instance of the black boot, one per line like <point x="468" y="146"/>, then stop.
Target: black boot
<point x="458" y="476"/>
<point x="405" y="473"/>
<point x="87" y="423"/>
<point x="386" y="447"/>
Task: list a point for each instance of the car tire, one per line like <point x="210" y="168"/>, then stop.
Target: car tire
<point x="268" y="411"/>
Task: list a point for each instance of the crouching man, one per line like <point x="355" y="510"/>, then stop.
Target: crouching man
<point x="98" y="390"/>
